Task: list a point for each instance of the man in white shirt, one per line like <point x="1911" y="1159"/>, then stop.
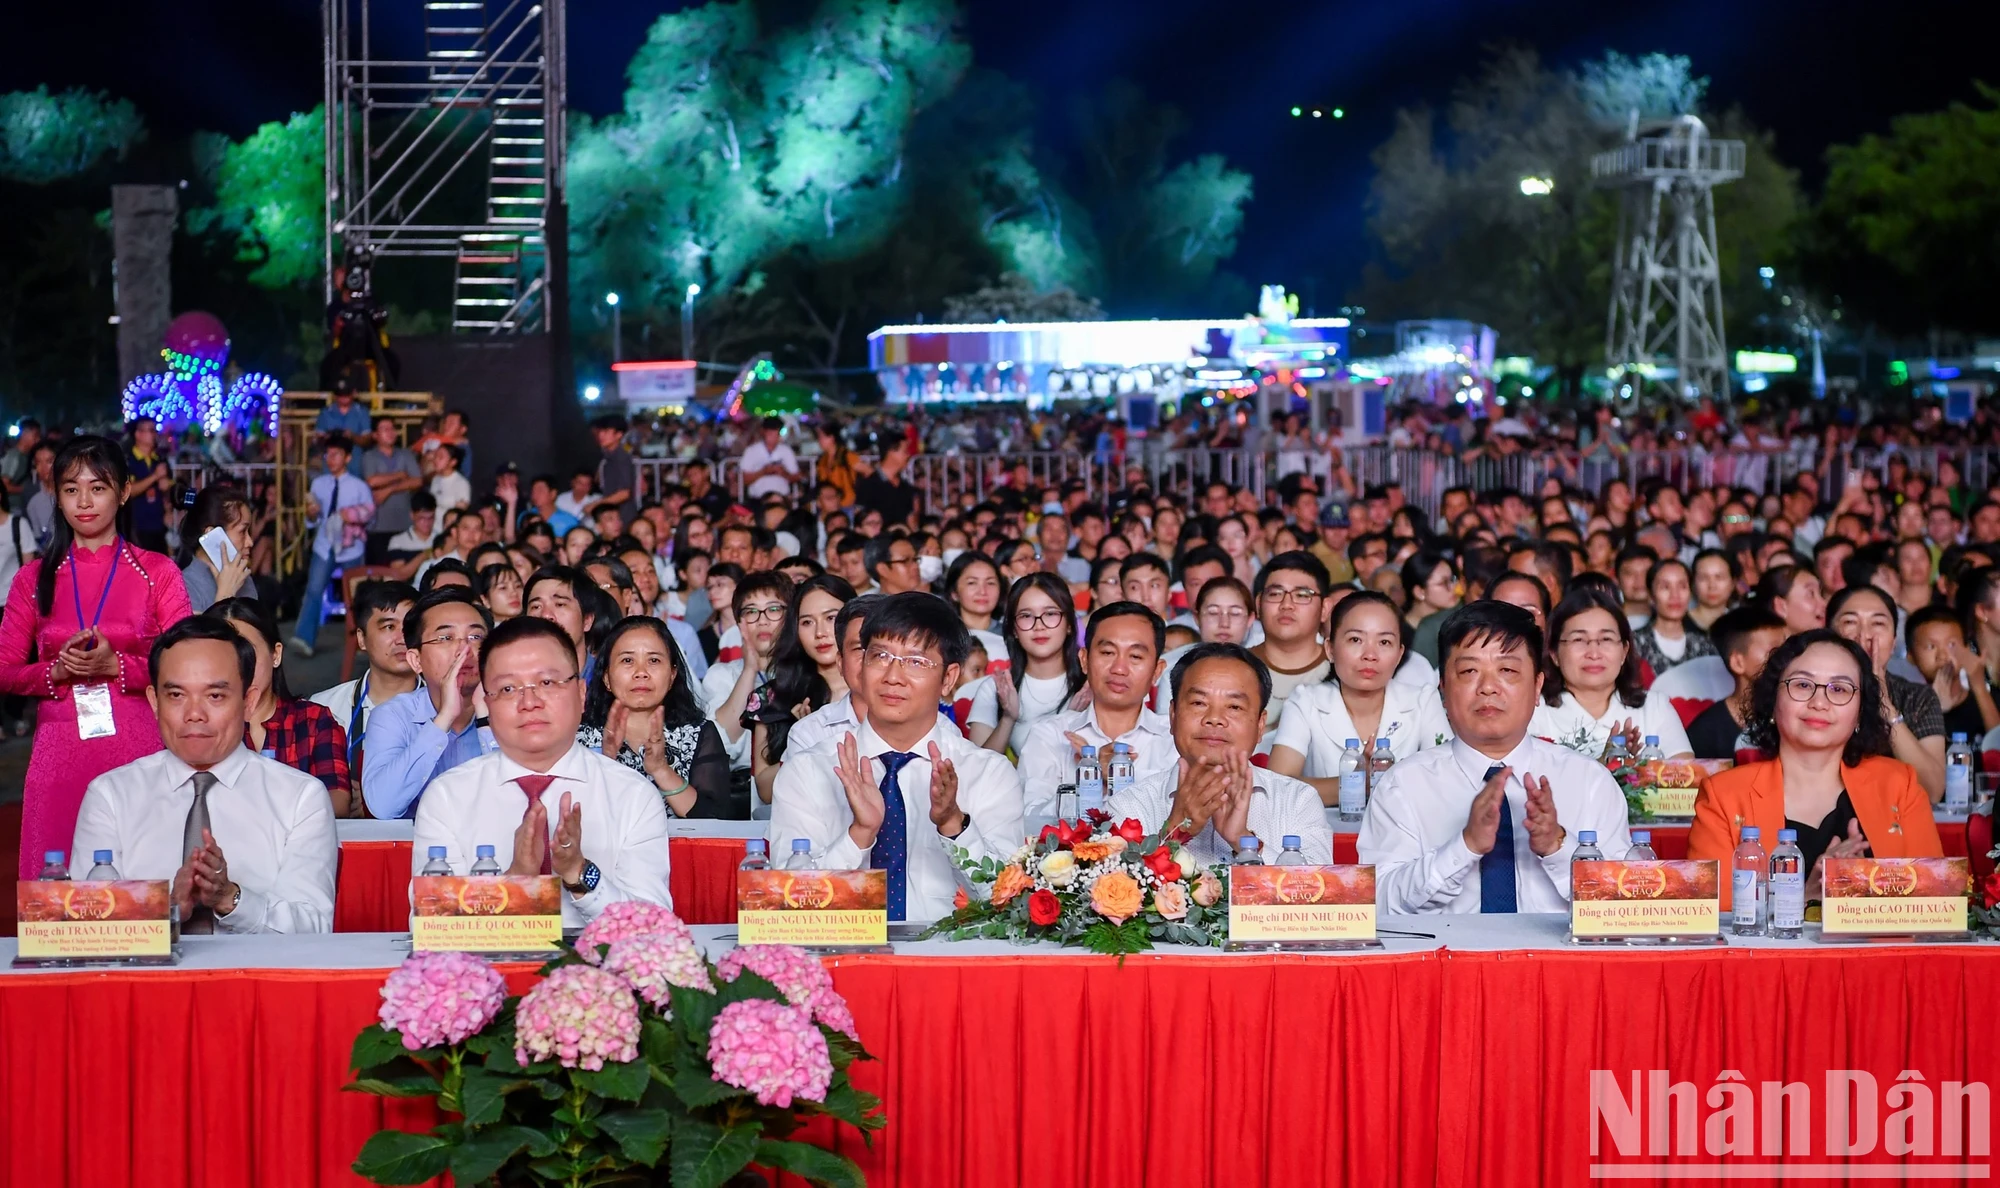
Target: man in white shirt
<point x="544" y="802"/>
<point x="903" y="790"/>
<point x="377" y="617"/>
<point x="825" y="726"/>
<point x="769" y="466"/>
<point x="1214" y="795"/>
<point x="1488" y="822"/>
<point x="1121" y="660"/>
<point x="266" y="861"/>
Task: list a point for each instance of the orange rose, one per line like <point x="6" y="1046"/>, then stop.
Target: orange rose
<point x="1171" y="901"/>
<point x="1116" y="897"/>
<point x="1012" y="881"/>
<point x="958" y="900"/>
<point x="1099" y="849"/>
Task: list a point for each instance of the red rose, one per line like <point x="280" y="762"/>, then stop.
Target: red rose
<point x="1990" y="890"/>
<point x="1048" y="831"/>
<point x="1097" y="816"/>
<point x="1044" y="908"/>
<point x="1067" y="835"/>
<point x="1161" y="863"/>
<point x="1131" y="830"/>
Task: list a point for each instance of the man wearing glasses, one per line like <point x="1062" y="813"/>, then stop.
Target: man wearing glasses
<point x="544" y="802"/>
<point x="891" y="562"/>
<point x="902" y="787"/>
<point x="414" y="738"/>
<point x="759" y="606"/>
<point x="1121" y="660"/>
<point x="1290" y="593"/>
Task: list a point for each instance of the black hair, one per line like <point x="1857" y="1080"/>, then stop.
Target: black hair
<point x="337" y="441"/>
<point x="377" y="595"/>
<point x="795" y="675"/>
<point x="1871" y="730"/>
<point x="875" y="554"/>
<point x="214" y="507"/>
<point x="1357" y="545"/>
<point x="1017" y="656"/>
<point x="1731" y="632"/>
<point x="850" y="542"/>
<point x="1298" y="561"/>
<point x="922" y="618"/>
<point x="1225" y="582"/>
<point x="102" y="457"/>
<point x="1482" y="564"/>
<point x="1515" y="575"/>
<point x="1630" y="684"/>
<point x="762" y="580"/>
<point x="1204" y="554"/>
<point x="1848" y="594"/>
<point x="1418" y="570"/>
<point x="1222" y="651"/>
<point x="856" y="608"/>
<point x="1124" y="609"/>
<point x="259" y="617"/>
<point x="442" y="565"/>
<point x="1115" y="564"/>
<point x="1826" y="544"/>
<point x="204" y="627"/>
<point x="422" y="501"/>
<point x="621" y="573"/>
<point x="1735" y="569"/>
<point x="482" y="582"/>
<point x="1778" y="580"/>
<point x="1634" y="552"/>
<point x="1859" y="568"/>
<point x="1924" y="617"/>
<point x="1138" y="561"/>
<point x="1488" y="621"/>
<point x="517" y="629"/>
<point x="413" y="622"/>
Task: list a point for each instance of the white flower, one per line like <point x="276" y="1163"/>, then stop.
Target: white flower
<point x="1059" y="868"/>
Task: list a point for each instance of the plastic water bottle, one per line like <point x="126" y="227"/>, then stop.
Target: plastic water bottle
<point x="437" y="865"/>
<point x="802" y="855"/>
<point x="1957" y="775"/>
<point x="1291" y="855"/>
<point x="1380" y="760"/>
<point x="1642" y="847"/>
<point x="755" y="855"/>
<point x="1089" y="782"/>
<point x="103" y="871"/>
<point x="1249" y="851"/>
<point x="1586" y="847"/>
<point x="1749" y="882"/>
<point x="1353" y="781"/>
<point x="1651" y="750"/>
<point x="1617" y="756"/>
<point x="1788" y="887"/>
<point x="53" y="869"/>
<point x="1118" y="776"/>
<point x="1066" y="802"/>
<point x="486" y="863"/>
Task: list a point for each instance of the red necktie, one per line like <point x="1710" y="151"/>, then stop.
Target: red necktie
<point x="534" y="786"/>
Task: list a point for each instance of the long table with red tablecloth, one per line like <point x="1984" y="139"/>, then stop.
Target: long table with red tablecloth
<point x="1460" y="1057"/>
<point x="374" y="889"/>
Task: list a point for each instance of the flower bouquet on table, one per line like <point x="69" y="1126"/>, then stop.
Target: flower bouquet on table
<point x="634" y="1060"/>
<point x="1112" y="889"/>
<point x="1631" y="779"/>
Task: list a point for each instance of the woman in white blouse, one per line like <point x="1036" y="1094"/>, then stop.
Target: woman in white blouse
<point x="1360" y="699"/>
<point x="1043" y="669"/>
<point x="1593" y="690"/>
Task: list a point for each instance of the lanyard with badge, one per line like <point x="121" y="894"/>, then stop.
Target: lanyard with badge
<point x="93" y="702"/>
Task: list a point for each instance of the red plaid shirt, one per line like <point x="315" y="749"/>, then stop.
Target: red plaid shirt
<point x="304" y="736"/>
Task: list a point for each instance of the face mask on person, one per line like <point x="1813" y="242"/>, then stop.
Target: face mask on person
<point x="1052" y="509"/>
<point x="950" y="555"/>
<point x="930" y="569"/>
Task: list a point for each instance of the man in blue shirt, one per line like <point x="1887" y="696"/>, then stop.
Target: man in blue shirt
<point x="338" y="510"/>
<point x="343" y="414"/>
<point x="414" y="738"/>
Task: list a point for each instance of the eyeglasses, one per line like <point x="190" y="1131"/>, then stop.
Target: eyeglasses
<point x="1606" y="641"/>
<point x="1838" y="692"/>
<point x="1051" y="617"/>
<point x="1280" y="594"/>
<point x="475" y="638"/>
<point x="544" y="687"/>
<point x="1736" y="519"/>
<point x="760" y="614"/>
<point x="882" y="661"/>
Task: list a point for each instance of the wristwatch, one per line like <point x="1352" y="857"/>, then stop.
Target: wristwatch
<point x="587" y="881"/>
<point x="961" y="829"/>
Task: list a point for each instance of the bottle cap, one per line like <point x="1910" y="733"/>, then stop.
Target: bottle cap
<point x="52" y="856"/>
<point x="1652" y="740"/>
<point x="103" y="856"/>
<point x="1291" y="841"/>
<point x="1381" y="744"/>
<point x="485" y="851"/>
<point x="802" y="845"/>
<point x="1353" y="744"/>
<point x="1117" y="747"/>
<point x="1090" y="752"/>
<point x="1618" y="740"/>
<point x="1958" y="736"/>
<point x="755" y="843"/>
<point x="1249" y="842"/>
<point x="1751" y="833"/>
<point x="1586" y="837"/>
<point x="437" y="852"/>
<point x="1642" y="837"/>
<point x="1788" y="835"/>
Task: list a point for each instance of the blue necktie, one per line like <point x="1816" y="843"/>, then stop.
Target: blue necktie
<point x="1496" y="866"/>
<point x="892" y="842"/>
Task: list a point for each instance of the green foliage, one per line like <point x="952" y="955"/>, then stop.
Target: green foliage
<point x="270" y="190"/>
<point x="395" y="1157"/>
<point x="809" y="1163"/>
<point x="705" y="1155"/>
<point x="48" y="137"/>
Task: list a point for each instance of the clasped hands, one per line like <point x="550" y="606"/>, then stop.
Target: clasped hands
<point x="864" y="794"/>
<point x="1213" y="793"/>
<point x="1482" y="823"/>
<point x="85" y="656"/>
<point x="203" y="880"/>
<point x="531" y="841"/>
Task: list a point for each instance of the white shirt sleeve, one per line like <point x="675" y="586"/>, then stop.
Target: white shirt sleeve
<point x="1410" y="878"/>
<point x="985" y="709"/>
<point x="635" y="844"/>
<point x="1665" y="721"/>
<point x="300" y="898"/>
<point x="1295" y="729"/>
<point x="808" y="801"/>
<point x="1044" y="758"/>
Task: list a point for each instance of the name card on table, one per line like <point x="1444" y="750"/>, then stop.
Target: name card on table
<point x="121" y="921"/>
<point x="1894" y="896"/>
<point x="1301" y="904"/>
<point x="1678" y="898"/>
<point x="815" y="908"/>
<point x="485" y="913"/>
<point x="1668" y="786"/>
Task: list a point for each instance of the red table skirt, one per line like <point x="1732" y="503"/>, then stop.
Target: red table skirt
<point x="1447" y="1069"/>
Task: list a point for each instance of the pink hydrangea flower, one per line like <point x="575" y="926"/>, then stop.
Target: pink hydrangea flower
<point x="771" y="1050"/>
<point x="651" y="964"/>
<point x="580" y="1017"/>
<point x="627" y="917"/>
<point x="798" y="975"/>
<point x="434" y="999"/>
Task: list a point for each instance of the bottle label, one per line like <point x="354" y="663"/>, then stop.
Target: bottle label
<point x="1788" y="900"/>
<point x="1957" y="785"/>
<point x="1744" y="892"/>
<point x="1353" y="794"/>
<point x="1089" y="795"/>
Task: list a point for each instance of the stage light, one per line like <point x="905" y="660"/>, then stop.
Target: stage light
<point x="1296" y="111"/>
<point x="611" y="299"/>
<point x="591" y="392"/>
<point x="14" y="430"/>
<point x="1538" y="187"/>
<point x="1339" y="113"/>
<point x="1317" y="113"/>
<point x="694" y="291"/>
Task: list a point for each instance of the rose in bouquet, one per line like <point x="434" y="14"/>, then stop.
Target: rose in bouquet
<point x="1108" y="886"/>
<point x="631" y="1060"/>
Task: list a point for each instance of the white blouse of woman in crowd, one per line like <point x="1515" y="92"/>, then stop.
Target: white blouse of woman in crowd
<point x="1045" y="628"/>
<point x="1597" y="676"/>
<point x="1361" y="699"/>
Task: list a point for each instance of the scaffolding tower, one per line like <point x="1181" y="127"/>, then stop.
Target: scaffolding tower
<point x="413" y="128"/>
<point x="1666" y="287"/>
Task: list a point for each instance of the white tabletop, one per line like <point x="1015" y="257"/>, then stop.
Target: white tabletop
<point x="350" y="830"/>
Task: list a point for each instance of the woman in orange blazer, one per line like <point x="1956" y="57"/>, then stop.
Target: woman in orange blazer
<point x="1818" y="704"/>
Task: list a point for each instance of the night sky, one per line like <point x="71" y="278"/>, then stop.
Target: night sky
<point x="1816" y="71"/>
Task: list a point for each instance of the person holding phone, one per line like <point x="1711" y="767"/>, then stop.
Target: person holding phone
<point x="216" y="542"/>
<point x="80" y="623"/>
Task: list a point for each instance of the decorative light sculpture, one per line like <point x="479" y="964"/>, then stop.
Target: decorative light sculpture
<point x="195" y="349"/>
